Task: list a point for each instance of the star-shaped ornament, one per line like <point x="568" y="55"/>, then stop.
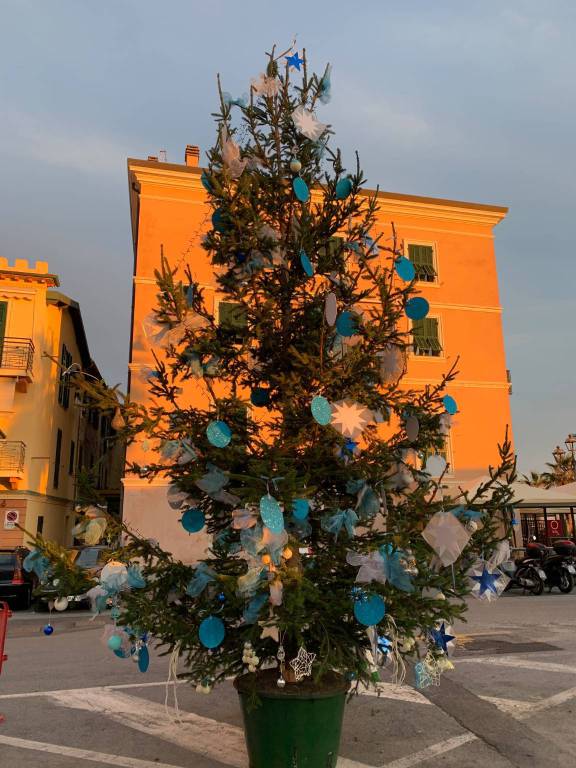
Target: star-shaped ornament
<point x="447" y="536"/>
<point x="307" y="123"/>
<point x="294" y="60"/>
<point x="442" y="638"/>
<point x="265" y="86"/>
<point x="302" y="664"/>
<point x="486" y="581"/>
<point x="350" y="418"/>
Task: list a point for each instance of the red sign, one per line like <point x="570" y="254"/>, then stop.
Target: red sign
<point x="555" y="528"/>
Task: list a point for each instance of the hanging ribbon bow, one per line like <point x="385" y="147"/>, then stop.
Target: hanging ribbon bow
<point x="393" y="564"/>
<point x="371" y="567"/>
<point x="343" y="518"/>
<point x="203" y="575"/>
<point x="241" y="101"/>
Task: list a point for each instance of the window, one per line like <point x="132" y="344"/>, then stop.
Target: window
<point x="39" y="524"/>
<point x="422" y="256"/>
<point x="64" y="385"/>
<point x="72" y="456"/>
<point x="426" y="338"/>
<point x="232" y="319"/>
<point x="57" y="459"/>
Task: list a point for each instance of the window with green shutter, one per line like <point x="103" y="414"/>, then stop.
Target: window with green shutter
<point x="426" y="337"/>
<point x="232" y="318"/>
<point x="422" y="256"/>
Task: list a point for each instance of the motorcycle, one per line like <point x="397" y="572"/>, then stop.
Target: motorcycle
<point x="557" y="563"/>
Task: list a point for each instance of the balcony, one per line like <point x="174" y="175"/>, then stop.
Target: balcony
<point x="12" y="455"/>
<point x="16" y="357"/>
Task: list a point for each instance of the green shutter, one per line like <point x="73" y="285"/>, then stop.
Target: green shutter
<point x="426" y="337"/>
<point x="422" y="256"/>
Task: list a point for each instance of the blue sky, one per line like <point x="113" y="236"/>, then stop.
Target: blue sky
<point x="473" y="101"/>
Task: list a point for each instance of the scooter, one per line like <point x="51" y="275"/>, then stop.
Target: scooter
<point x="526" y="575"/>
<point x="556" y="562"/>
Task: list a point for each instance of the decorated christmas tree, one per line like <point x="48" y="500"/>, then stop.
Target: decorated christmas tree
<point x="316" y="471"/>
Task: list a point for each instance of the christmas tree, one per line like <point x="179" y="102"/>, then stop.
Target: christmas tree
<point x="316" y="472"/>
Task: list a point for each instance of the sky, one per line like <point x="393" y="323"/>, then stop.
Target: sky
<point x="471" y="101"/>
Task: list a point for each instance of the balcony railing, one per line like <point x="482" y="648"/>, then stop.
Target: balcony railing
<point x="12" y="453"/>
<point x="17" y="354"/>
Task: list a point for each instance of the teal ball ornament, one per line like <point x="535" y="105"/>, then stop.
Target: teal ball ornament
<point x="321" y="410"/>
<point x="295" y="165"/>
<point x="343" y="188"/>
<point x="114" y="642"/>
<point x="301" y="189"/>
<point x="417" y="308"/>
<point x="300" y="508"/>
<point x="193" y="520"/>
<point x="219" y="434"/>
<point x="211" y="632"/>
<point x="271" y="514"/>
<point x="370" y="610"/>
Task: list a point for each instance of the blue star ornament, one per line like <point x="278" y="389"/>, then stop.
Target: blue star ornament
<point x="441" y="639"/>
<point x="486" y="581"/>
<point x="294" y="60"/>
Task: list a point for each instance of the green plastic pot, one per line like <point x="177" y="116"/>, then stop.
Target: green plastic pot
<point x="298" y="726"/>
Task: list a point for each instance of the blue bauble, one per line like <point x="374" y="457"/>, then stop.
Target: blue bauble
<point x="321" y="410"/>
<point x="48" y="629"/>
<point x="343" y="188"/>
<point x="211" y="632"/>
<point x="260" y="396"/>
<point x="405" y="269"/>
<point x="301" y="189"/>
<point x="271" y="514"/>
<point x="218" y="220"/>
<point x="300" y="508"/>
<point x="307" y="265"/>
<point x="114" y="642"/>
<point x="417" y="308"/>
<point x="193" y="520"/>
<point x="369" y="611"/>
<point x="450" y="404"/>
<point x="346" y="323"/>
<point x="219" y="434"/>
<point x="143" y="659"/>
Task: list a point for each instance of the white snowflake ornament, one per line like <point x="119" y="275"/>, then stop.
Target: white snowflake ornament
<point x="265" y="86"/>
<point x="302" y="664"/>
<point x="447" y="536"/>
<point x="307" y="123"/>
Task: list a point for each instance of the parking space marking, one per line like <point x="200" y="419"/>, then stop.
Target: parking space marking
<point x="522" y="710"/>
<point x="83" y="754"/>
<point x="213" y="739"/>
<point x="514" y="661"/>
<point x="434" y="750"/>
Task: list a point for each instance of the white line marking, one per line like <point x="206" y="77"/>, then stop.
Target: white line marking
<point x="82" y="754"/>
<point x="419" y="757"/>
<point x="397" y="692"/>
<point x="522" y="710"/>
<point x="506" y="661"/>
<point x="202" y="735"/>
<point x="120" y="686"/>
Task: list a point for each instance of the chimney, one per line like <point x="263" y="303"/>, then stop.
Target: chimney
<point x="192" y="155"/>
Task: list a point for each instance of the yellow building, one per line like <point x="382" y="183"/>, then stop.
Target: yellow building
<point x="43" y="434"/>
<point x="451" y="244"/>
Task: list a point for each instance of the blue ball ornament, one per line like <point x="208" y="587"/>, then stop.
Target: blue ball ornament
<point x="114" y="642"/>
<point x="343" y="188"/>
<point x="417" y="308"/>
<point x="218" y="220"/>
<point x="48" y="629"/>
<point x="450" y="404"/>
<point x="405" y="269"/>
<point x="346" y="323"/>
<point x="211" y="632"/>
<point x="301" y="189"/>
<point x="307" y="265"/>
<point x="143" y="659"/>
<point x="193" y="520"/>
<point x="260" y="396"/>
<point x="370" y="611"/>
<point x="300" y="508"/>
<point x="321" y="410"/>
<point x="219" y="434"/>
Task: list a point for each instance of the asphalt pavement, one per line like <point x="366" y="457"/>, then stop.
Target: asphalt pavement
<point x="69" y="703"/>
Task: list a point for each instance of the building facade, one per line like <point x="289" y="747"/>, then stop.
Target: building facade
<point x="45" y="436"/>
<point x="452" y="246"/>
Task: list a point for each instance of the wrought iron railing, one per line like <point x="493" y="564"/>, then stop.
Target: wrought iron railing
<point x="16" y="353"/>
<point x="12" y="453"/>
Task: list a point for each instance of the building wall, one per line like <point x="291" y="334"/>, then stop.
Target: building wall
<point x="170" y="213"/>
<point x="29" y="408"/>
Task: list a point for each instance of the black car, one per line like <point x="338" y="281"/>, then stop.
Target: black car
<point x="16" y="585"/>
<point x="90" y="559"/>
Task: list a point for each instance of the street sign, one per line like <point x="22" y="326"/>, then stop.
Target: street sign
<point x="11" y="518"/>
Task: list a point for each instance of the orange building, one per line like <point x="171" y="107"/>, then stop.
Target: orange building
<point x="452" y="246"/>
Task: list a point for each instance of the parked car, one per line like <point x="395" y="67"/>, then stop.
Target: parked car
<point x="16" y="585"/>
<point x="89" y="559"/>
